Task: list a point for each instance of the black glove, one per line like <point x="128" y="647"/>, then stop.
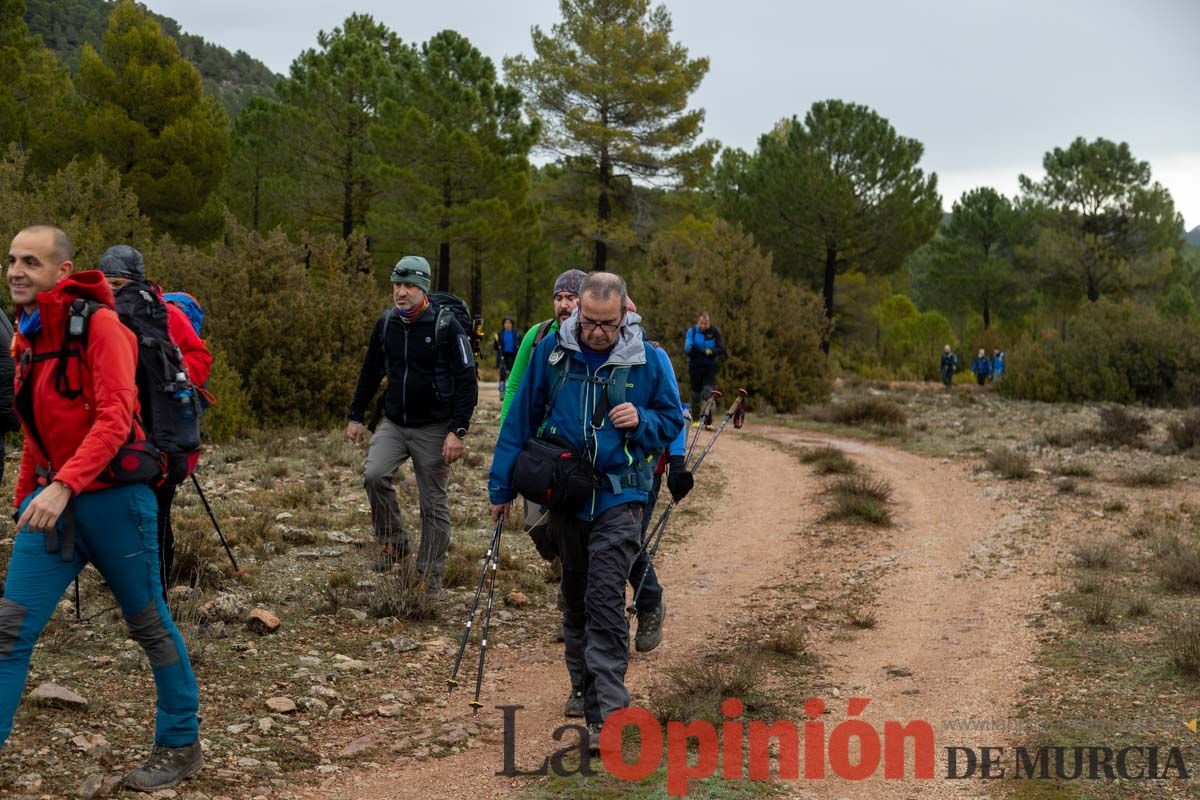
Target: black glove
<point x="679" y="479"/>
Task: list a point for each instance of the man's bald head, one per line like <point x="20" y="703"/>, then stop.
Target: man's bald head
<point x="38" y="258"/>
<point x="63" y="247"/>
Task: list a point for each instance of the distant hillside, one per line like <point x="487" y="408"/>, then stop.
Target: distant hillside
<point x="1192" y="237"/>
<point x="67" y="25"/>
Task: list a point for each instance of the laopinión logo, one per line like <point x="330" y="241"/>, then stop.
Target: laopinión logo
<point x="738" y="749"/>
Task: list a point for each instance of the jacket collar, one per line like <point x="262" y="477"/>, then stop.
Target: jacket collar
<point x="55" y="304"/>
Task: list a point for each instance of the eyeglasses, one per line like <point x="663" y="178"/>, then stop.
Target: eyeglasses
<point x="608" y="327"/>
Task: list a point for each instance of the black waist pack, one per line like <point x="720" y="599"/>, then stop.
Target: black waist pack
<point x="550" y="473"/>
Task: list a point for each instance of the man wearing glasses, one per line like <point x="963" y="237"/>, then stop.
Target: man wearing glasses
<point x="593" y="385"/>
<point x="431" y="394"/>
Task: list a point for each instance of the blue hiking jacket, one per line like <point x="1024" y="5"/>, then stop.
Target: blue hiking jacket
<point x="697" y="343"/>
<point x="679" y="443"/>
<point x="649" y="387"/>
<point x="982" y="366"/>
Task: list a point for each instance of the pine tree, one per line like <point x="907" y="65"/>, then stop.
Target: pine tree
<point x="611" y="90"/>
<point x="147" y="115"/>
<point x="35" y="94"/>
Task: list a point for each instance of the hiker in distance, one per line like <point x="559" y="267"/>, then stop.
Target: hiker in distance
<point x="82" y="494"/>
<point x="949" y="366"/>
<point x="704" y="346"/>
<point x="593" y="396"/>
<point x="425" y="354"/>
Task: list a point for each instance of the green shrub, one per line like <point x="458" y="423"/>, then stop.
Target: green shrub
<point x="293" y="319"/>
<point x="1119" y="352"/>
<point x="772" y="328"/>
<point x="231" y="415"/>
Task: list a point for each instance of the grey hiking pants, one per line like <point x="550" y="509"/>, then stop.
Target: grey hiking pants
<point x="596" y="557"/>
<point x="391" y="446"/>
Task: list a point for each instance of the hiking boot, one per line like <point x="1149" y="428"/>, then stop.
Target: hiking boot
<point x="649" y="631"/>
<point x="593" y="736"/>
<point x="166" y="767"/>
<point x="433" y="589"/>
<point x="388" y="556"/>
<point x="574" y="706"/>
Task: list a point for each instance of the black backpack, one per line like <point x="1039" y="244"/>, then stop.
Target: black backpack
<point x="170" y="403"/>
<point x="446" y="307"/>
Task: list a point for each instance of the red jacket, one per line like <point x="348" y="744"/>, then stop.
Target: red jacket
<point x="83" y="434"/>
<point x="196" y="357"/>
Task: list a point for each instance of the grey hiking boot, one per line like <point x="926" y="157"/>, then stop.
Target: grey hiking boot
<point x="593" y="735"/>
<point x="649" y="631"/>
<point x="166" y="767"/>
<point x="433" y="588"/>
<point x="574" y="706"/>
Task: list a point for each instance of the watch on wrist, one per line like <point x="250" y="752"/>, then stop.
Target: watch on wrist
<point x="460" y="433"/>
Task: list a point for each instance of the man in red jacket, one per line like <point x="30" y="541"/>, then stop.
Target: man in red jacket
<point x="77" y="495"/>
<point x="123" y="265"/>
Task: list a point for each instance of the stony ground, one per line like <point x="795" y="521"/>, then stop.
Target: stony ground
<point x="348" y="697"/>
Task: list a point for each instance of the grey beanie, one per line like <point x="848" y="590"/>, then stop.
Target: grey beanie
<point x="570" y="281"/>
<point x="413" y="270"/>
<point x="123" y="261"/>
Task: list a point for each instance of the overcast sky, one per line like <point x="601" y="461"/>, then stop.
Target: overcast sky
<point x="987" y="85"/>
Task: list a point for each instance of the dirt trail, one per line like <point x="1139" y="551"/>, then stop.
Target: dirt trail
<point x="963" y="639"/>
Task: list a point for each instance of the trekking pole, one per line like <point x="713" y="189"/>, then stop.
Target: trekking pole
<point x="736" y="412"/>
<point x="736" y="409"/>
<point x="493" y="545"/>
<point x="487" y="625"/>
<point x="78" y="610"/>
<point x="704" y="419"/>
<point x="237" y="571"/>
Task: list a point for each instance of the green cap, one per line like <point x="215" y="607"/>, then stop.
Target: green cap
<point x="414" y="270"/>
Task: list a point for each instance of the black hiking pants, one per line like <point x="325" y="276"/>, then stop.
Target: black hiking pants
<point x="704" y="380"/>
<point x="596" y="557"/>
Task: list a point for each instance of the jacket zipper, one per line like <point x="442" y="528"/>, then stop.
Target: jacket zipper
<point x="404" y="382"/>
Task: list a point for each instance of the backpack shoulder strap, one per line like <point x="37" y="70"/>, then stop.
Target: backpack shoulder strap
<point x="560" y="360"/>
<point x="542" y="330"/>
<point x="441" y="326"/>
<point x="385" y="318"/>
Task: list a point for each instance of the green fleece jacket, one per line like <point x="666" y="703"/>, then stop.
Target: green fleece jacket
<point x="521" y="362"/>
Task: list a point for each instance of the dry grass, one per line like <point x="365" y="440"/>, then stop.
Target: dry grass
<point x="1185" y="431"/>
<point x="1119" y="427"/>
<point x="693" y="690"/>
<point x="1098" y="609"/>
<point x="1075" y="469"/>
<point x="1184" y="649"/>
<point x="790" y="641"/>
<point x="1177" y="563"/>
<point x="1009" y="464"/>
<point x="862" y="616"/>
<point x="1154" y="477"/>
<point x="1096" y="555"/>
<point x="869" y="411"/>
<point x="861" y="499"/>
<point x="828" y="461"/>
